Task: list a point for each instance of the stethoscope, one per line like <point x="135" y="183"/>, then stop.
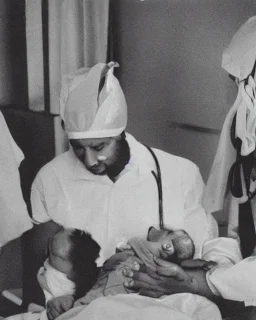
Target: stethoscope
<point x="158" y="177"/>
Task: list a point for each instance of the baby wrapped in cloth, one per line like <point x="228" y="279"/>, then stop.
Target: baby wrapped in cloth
<point x="174" y="246"/>
<point x="108" y="299"/>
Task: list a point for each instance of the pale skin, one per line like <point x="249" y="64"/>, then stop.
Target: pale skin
<point x="97" y="155"/>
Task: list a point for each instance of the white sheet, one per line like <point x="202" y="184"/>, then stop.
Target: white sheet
<point x="237" y="282"/>
<point x="184" y="306"/>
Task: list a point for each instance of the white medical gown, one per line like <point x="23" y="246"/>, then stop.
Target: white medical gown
<point x="67" y="193"/>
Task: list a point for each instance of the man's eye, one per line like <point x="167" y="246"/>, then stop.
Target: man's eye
<point x="78" y="150"/>
<point x="98" y="148"/>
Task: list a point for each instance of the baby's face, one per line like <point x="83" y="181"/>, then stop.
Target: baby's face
<point x="172" y="245"/>
<point x="59" y="248"/>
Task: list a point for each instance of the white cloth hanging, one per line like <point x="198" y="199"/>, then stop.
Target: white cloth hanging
<point x="13" y="211"/>
<point x="238" y="59"/>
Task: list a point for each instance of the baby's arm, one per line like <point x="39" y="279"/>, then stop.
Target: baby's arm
<point x="197" y="264"/>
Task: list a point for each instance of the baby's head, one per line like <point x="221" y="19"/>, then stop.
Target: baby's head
<point x="172" y="245"/>
<point x="74" y="253"/>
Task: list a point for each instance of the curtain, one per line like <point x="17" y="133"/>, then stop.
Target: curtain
<point x="78" y="34"/>
<point x="77" y="37"/>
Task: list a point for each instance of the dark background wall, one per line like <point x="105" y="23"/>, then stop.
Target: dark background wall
<point x="170" y="55"/>
<point x="13" y="66"/>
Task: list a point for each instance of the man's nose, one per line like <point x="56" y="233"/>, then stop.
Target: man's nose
<point x="90" y="158"/>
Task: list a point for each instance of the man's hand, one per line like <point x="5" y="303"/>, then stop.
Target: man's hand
<point x="168" y="279"/>
<point x="117" y="259"/>
<point x="59" y="305"/>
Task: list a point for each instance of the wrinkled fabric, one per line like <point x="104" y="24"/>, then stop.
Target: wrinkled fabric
<point x="184" y="306"/>
<point x="53" y="282"/>
<point x="244" y="109"/>
<point x="217" y="185"/>
<point x="64" y="188"/>
<point x="14" y="216"/>
<point x="67" y="193"/>
<point x="88" y="114"/>
<point x="237" y="282"/>
<point x="238" y="60"/>
<point x="29" y="316"/>
<point x="246" y="117"/>
<point x="215" y="190"/>
<point x="239" y="57"/>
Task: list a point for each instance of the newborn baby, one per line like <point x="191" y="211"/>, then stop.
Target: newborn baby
<point x="70" y="268"/>
<point x="171" y="245"/>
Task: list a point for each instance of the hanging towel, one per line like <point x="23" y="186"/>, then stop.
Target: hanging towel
<point x="239" y="60"/>
<point x="13" y="211"/>
<point x="215" y="191"/>
<point x="239" y="57"/>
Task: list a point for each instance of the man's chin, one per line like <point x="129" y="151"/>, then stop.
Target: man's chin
<point x="98" y="171"/>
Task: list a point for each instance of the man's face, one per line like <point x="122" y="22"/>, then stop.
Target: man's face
<point x="102" y="155"/>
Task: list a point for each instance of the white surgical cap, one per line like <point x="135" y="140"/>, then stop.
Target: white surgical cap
<point x="88" y="113"/>
<point x="239" y="57"/>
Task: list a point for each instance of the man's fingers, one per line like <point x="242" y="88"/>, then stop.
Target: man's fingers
<point x="57" y="306"/>
<point x="163" y="263"/>
<point x="116" y="259"/>
<point x="143" y="277"/>
<point x="151" y="293"/>
<point x="174" y="272"/>
<point x="65" y="307"/>
<point x="152" y="273"/>
<point x="140" y="280"/>
<point x="49" y="315"/>
<point x="168" y="269"/>
<point x="52" y="313"/>
<point x="133" y="263"/>
<point x="137" y="285"/>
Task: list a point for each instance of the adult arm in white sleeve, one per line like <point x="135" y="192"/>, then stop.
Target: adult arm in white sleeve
<point x="38" y="202"/>
<point x="224" y="251"/>
<point x="200" y="224"/>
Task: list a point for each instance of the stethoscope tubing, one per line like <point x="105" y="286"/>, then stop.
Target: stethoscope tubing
<point x="158" y="177"/>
